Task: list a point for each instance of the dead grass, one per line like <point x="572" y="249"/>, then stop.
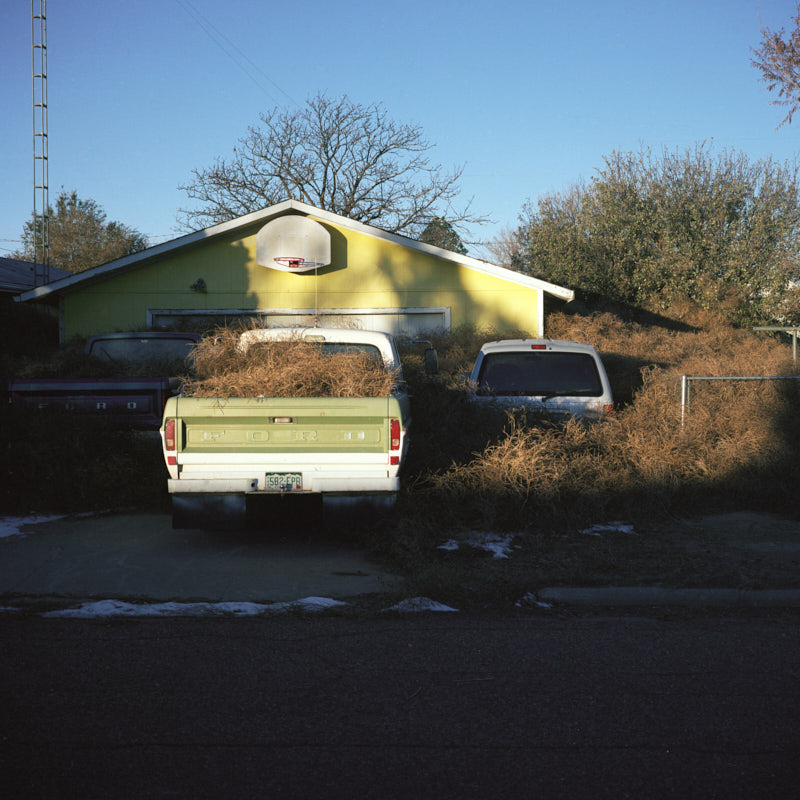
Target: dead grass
<point x="292" y="368"/>
<point x="526" y="473"/>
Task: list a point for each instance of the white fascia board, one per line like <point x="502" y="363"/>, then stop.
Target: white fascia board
<point x="96" y="273"/>
<point x="485" y="267"/>
<point x="150" y="253"/>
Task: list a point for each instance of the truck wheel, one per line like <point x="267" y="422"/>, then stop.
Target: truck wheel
<point x="217" y="512"/>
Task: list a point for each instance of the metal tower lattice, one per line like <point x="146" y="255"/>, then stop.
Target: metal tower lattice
<point x="41" y="199"/>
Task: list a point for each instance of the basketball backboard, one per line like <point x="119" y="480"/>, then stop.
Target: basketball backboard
<point x="293" y="243"/>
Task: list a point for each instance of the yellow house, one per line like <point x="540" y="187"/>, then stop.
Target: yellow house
<point x="293" y="263"/>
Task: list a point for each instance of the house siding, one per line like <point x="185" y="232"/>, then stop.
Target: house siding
<point x="365" y="272"/>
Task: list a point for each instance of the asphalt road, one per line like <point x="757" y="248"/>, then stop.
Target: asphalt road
<point x="443" y="706"/>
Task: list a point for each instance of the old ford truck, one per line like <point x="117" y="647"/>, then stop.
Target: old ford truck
<point x="130" y="390"/>
<point x="222" y="451"/>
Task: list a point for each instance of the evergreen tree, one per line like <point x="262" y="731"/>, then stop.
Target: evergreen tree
<point x="442" y="234"/>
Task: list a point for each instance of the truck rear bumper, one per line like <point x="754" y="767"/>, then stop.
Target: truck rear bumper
<point x="311" y="484"/>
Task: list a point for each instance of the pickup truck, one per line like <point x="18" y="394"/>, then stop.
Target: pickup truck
<point x="222" y="451"/>
<point x="554" y="376"/>
<point x="133" y="399"/>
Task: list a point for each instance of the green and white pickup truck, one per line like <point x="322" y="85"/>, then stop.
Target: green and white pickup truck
<point x="220" y="451"/>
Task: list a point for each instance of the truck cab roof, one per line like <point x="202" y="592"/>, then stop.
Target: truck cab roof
<point x="383" y="342"/>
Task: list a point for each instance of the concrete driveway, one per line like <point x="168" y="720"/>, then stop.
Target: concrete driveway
<point x="128" y="556"/>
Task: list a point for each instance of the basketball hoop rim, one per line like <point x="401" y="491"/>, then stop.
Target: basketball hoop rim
<point x="295" y="261"/>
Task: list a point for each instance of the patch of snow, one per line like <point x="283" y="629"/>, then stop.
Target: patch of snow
<point x="530" y="599"/>
<point x="609" y="527"/>
<point x="119" y="608"/>
<point x="305" y="604"/>
<point x="12" y="526"/>
<point x="499" y="545"/>
<point x="414" y="604"/>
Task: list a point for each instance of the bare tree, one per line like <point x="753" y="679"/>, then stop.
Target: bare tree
<point x="335" y="154"/>
<point x="506" y="249"/>
<point x="778" y="60"/>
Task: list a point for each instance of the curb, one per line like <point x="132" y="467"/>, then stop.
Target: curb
<point x="656" y="596"/>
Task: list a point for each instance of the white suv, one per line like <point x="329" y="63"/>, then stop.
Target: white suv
<point x="549" y="375"/>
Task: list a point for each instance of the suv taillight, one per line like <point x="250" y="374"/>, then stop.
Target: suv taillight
<point x="169" y="434"/>
<point x="394" y="434"/>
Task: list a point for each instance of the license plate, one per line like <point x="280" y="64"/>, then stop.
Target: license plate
<point x="283" y="482"/>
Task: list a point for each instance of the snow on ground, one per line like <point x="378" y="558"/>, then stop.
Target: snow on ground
<point x="530" y="599"/>
<point x="12" y="526"/>
<point x="609" y="527"/>
<point x="99" y="609"/>
<point x="502" y="545"/>
<point x="118" y="608"/>
<point x="414" y="604"/>
<point x="499" y="545"/>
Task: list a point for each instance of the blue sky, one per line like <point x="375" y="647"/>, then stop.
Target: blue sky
<point x="528" y="96"/>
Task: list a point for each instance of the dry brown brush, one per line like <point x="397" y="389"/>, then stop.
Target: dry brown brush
<point x="736" y="447"/>
<point x="291" y="368"/>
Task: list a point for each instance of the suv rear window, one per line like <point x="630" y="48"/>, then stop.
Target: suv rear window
<point x="547" y="373"/>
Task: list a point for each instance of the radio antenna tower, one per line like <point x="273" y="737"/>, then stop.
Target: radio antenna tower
<point x="41" y="199"/>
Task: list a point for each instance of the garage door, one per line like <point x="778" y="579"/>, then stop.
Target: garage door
<point x="398" y="321"/>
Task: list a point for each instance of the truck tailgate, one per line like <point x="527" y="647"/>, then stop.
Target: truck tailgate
<point x="277" y="425"/>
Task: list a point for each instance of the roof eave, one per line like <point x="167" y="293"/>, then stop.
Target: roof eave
<point x="467" y="261"/>
<point x="135" y="259"/>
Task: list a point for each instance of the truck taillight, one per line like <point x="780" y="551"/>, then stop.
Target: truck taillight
<point x="169" y="434"/>
<point x="394" y="434"/>
<point x="608" y="410"/>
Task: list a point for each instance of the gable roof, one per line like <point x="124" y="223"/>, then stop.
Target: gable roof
<point x="135" y="260"/>
<point x="19" y="276"/>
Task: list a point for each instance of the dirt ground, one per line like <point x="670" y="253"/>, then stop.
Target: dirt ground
<point x="761" y="550"/>
<point x="744" y="550"/>
<point x="741" y="550"/>
<point x="124" y="556"/>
